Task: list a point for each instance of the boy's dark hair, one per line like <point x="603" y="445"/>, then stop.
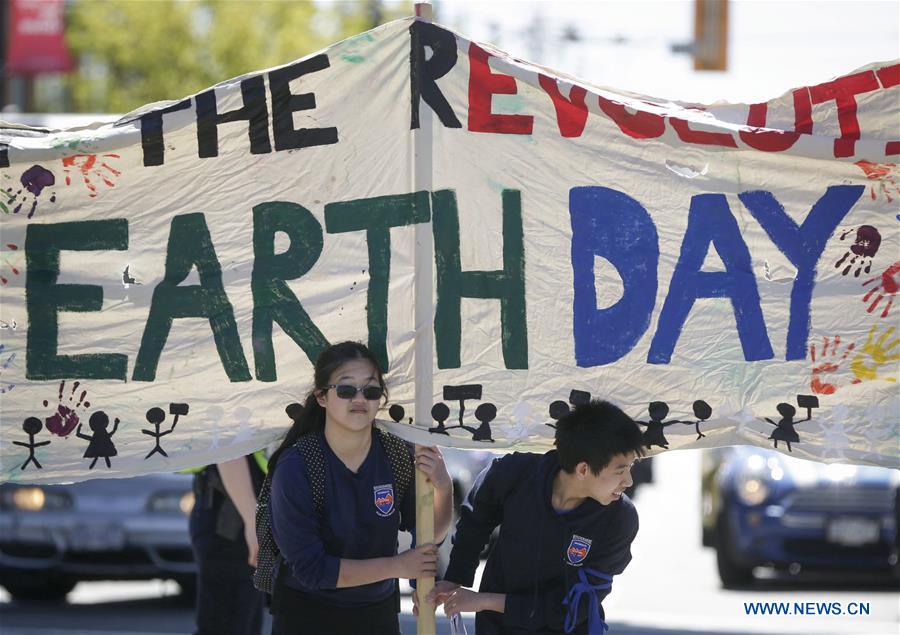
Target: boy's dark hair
<point x="595" y="432"/>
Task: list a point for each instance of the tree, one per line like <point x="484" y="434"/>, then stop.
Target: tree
<point x="136" y="52"/>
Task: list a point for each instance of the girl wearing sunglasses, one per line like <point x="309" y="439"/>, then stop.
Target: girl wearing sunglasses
<point x="341" y="564"/>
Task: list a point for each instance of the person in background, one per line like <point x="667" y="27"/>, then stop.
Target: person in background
<point x="223" y="537"/>
<point x="566" y="528"/>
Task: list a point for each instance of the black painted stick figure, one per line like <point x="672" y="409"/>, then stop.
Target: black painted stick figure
<point x="31" y="426"/>
<point x="100" y="444"/>
<point x="703" y="412"/>
<point x="654" y="435"/>
<point x="784" y="429"/>
<point x="485" y="413"/>
<point x="156" y="416"/>
<point x="559" y="408"/>
<point x="397" y="413"/>
<point x="440" y="412"/>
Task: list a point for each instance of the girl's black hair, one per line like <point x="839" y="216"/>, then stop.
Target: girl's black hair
<point x="310" y="417"/>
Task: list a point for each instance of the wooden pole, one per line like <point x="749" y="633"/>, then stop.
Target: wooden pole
<point x="425" y="622"/>
<point x="424" y="316"/>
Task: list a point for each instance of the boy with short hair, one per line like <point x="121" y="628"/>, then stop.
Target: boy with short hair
<point x="566" y="528"/>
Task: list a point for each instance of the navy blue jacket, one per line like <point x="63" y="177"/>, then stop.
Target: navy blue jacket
<point x="537" y="558"/>
<point x="353" y="526"/>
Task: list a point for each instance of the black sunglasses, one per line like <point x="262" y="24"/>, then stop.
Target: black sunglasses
<point x="346" y="391"/>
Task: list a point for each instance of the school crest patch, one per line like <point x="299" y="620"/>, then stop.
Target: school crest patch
<point x="384" y="499"/>
<point x="578" y="550"/>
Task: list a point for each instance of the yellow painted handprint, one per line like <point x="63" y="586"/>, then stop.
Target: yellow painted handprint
<point x="875" y="354"/>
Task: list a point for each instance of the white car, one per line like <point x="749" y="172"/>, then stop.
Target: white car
<point x="52" y="536"/>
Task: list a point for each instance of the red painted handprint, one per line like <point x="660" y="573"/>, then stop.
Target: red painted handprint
<point x="87" y="165"/>
<point x="887" y="287"/>
<point x="66" y="419"/>
<point x="829" y="364"/>
<point x="883" y="173"/>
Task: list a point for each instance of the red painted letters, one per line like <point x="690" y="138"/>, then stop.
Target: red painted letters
<point x="843" y="91"/>
<point x="482" y="85"/>
<point x="571" y="113"/>
<point x="640" y="124"/>
<point x="778" y="140"/>
<point x="684" y="131"/>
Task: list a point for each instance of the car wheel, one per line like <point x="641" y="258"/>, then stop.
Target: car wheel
<point x="732" y="573"/>
<point x="53" y="590"/>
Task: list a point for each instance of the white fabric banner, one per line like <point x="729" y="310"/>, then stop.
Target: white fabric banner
<point x="724" y="273"/>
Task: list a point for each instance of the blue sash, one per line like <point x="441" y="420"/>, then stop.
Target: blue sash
<point x="596" y="625"/>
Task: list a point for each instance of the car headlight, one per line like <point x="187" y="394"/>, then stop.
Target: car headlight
<point x="752" y="489"/>
<point x="752" y="483"/>
<point x="33" y="499"/>
<point x="172" y="502"/>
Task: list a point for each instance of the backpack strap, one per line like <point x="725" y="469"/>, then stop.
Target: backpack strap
<point x="401" y="462"/>
<point x="268" y="557"/>
<point x="314" y="460"/>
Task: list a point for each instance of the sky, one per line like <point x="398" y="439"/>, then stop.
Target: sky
<point x="773" y="45"/>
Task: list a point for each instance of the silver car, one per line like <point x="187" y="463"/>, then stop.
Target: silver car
<point x="52" y="536"/>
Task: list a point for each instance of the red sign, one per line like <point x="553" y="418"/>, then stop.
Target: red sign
<point x="37" y="38"/>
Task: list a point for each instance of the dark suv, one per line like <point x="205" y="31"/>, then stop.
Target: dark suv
<point x="760" y="507"/>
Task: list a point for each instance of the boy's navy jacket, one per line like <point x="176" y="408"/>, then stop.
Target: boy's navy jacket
<point x="537" y="558"/>
<point x="360" y="522"/>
